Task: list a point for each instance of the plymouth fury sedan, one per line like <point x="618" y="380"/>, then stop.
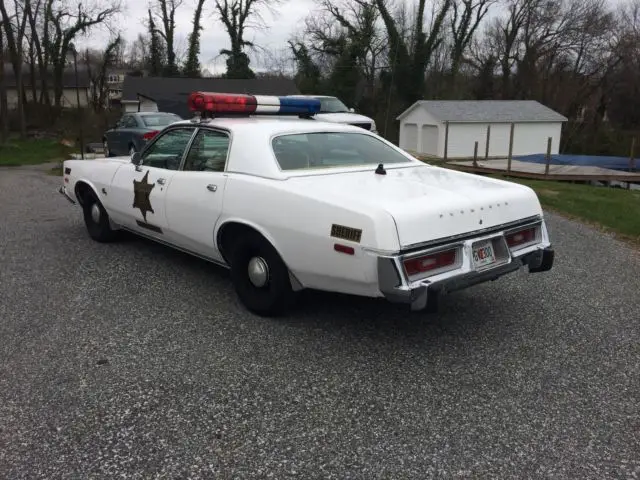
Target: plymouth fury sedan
<point x="294" y="203"/>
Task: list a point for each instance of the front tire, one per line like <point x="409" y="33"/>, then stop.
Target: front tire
<point x="96" y="220"/>
<point x="260" y="277"/>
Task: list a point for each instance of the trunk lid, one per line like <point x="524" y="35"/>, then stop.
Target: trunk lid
<point x="427" y="203"/>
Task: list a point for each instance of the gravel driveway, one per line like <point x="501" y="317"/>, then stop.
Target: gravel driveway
<point x="132" y="360"/>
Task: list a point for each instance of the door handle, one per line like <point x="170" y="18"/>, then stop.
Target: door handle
<point x="212" y="188"/>
<point x="161" y="181"/>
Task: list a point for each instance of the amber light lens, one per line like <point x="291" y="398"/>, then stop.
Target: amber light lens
<point x="521" y="237"/>
<point x="415" y="266"/>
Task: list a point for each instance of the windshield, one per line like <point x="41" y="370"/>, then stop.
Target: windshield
<point x="160" y="119"/>
<point x="323" y="150"/>
<point x="332" y="105"/>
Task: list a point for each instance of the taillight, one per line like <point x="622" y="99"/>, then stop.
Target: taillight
<point x="521" y="237"/>
<point x="149" y="135"/>
<point x="427" y="263"/>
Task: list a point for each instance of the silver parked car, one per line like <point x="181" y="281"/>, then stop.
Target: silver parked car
<point x="134" y="130"/>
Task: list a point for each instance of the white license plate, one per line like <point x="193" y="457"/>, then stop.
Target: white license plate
<point x="483" y="254"/>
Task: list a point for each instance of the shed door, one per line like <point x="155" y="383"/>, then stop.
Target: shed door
<point x="410" y="140"/>
<point x="429" y="140"/>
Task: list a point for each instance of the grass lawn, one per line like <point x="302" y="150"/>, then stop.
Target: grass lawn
<point x="17" y="152"/>
<point x="614" y="210"/>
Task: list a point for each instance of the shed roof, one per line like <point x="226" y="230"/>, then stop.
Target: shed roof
<point x="171" y="93"/>
<point x="486" y="111"/>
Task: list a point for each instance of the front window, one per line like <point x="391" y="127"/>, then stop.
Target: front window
<point x="167" y="150"/>
<point x="332" y="105"/>
<point x="324" y="150"/>
<point x="160" y="120"/>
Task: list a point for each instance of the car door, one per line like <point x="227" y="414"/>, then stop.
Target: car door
<point x="137" y="197"/>
<point x="194" y="200"/>
<point x="127" y="133"/>
<point x="113" y="137"/>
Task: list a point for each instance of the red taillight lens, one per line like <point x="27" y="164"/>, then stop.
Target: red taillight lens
<point x="521" y="237"/>
<point x="431" y="262"/>
<point x="150" y="135"/>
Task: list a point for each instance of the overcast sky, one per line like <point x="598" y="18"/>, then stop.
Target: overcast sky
<point x="281" y="24"/>
<point x="286" y="19"/>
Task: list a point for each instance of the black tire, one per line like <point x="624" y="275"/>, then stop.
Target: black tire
<point x="101" y="230"/>
<point x="276" y="296"/>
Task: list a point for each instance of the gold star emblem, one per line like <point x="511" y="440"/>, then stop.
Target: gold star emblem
<point x="141" y="191"/>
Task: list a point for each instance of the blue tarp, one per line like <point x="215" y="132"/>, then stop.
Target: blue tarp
<point x="613" y="163"/>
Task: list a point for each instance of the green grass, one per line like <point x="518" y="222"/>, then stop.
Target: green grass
<point x="614" y="210"/>
<point x="17" y="152"/>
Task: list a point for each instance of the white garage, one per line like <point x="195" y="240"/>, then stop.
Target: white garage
<point x="450" y="128"/>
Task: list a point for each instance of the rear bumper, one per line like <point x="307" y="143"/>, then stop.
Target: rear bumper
<point x="63" y="191"/>
<point x="395" y="286"/>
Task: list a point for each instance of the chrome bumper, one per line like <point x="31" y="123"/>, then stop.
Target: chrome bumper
<point x="396" y="287"/>
<point x="63" y="191"/>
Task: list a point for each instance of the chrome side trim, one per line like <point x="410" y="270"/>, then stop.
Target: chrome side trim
<point x="175" y="247"/>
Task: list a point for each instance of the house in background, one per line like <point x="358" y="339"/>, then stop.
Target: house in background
<point x="451" y="127"/>
<point x="70" y="88"/>
<point x="169" y="94"/>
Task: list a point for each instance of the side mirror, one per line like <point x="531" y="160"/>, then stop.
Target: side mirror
<point x="136" y="158"/>
<point x="352" y="110"/>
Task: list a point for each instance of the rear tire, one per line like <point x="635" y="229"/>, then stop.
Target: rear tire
<point x="96" y="219"/>
<point x="259" y="276"/>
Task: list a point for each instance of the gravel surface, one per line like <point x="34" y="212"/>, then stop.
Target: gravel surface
<point x="132" y="360"/>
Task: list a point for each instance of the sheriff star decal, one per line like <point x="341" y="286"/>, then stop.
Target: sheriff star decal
<point x="141" y="191"/>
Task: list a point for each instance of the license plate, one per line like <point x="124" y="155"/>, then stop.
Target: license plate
<point x="483" y="254"/>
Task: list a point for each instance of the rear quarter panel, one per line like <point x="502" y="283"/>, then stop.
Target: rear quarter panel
<point x="299" y="227"/>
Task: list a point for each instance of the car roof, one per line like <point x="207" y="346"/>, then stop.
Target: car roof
<point x="270" y="125"/>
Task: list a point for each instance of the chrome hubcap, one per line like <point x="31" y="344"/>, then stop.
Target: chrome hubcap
<point x="258" y="272"/>
<point x="95" y="213"/>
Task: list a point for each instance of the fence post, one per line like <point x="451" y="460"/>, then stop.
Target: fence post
<point x="548" y="157"/>
<point x="486" y="147"/>
<point x="513" y="125"/>
<point x="632" y="160"/>
<point x="446" y="139"/>
<point x="475" y="154"/>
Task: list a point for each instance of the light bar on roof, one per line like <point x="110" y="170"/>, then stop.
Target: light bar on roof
<point x="241" y="104"/>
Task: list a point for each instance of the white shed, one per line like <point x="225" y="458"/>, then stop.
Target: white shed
<point x="450" y="128"/>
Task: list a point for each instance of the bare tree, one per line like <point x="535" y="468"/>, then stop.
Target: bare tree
<point x="237" y="16"/>
<point x="192" y="65"/>
<point x="14" y="28"/>
<point x="409" y="57"/>
<point x="4" y="107"/>
<point x="166" y="10"/>
<point x="65" y="23"/>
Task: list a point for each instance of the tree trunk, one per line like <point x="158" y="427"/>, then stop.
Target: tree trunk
<point x="4" y="107"/>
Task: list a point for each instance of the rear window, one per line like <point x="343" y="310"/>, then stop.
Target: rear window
<point x="323" y="149"/>
<point x="160" y="120"/>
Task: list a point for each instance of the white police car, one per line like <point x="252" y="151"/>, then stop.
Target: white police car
<point x="288" y="204"/>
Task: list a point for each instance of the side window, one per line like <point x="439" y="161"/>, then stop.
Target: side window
<point x="167" y="150"/>
<point x="208" y="152"/>
<point x="130" y="122"/>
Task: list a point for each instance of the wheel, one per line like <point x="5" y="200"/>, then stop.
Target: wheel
<point x="96" y="219"/>
<point x="105" y="148"/>
<point x="259" y="276"/>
